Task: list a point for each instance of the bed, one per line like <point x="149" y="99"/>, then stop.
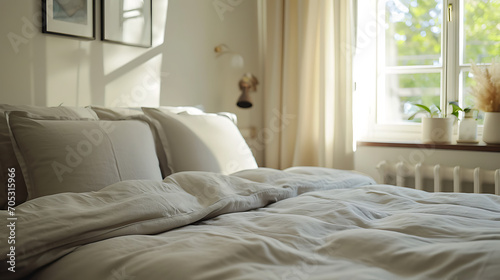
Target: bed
<point x="234" y="221"/>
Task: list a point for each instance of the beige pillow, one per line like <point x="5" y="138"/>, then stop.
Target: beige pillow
<point x="106" y="113"/>
<point x="116" y="113"/>
<point x="58" y="154"/>
<point x="120" y="113"/>
<point x="8" y="158"/>
<point x="208" y="142"/>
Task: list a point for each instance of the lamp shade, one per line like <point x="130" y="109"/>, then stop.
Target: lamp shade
<point x="244" y="101"/>
<point x="247" y="83"/>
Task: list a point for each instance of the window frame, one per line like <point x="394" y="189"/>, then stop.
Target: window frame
<point x="451" y="70"/>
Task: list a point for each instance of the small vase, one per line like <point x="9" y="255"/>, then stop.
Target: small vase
<point x="437" y="130"/>
<point x="491" y="130"/>
<point x="467" y="131"/>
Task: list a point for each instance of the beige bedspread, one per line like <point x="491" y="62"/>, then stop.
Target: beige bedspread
<point x="306" y="223"/>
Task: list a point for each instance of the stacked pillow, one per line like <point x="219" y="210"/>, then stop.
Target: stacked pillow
<point x="114" y="114"/>
<point x="202" y="142"/>
<point x="65" y="149"/>
<point x="8" y="158"/>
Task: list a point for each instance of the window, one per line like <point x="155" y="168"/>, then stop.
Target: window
<point x="424" y="49"/>
<point x="411" y="46"/>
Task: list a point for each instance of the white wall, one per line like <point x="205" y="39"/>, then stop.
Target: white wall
<point x="180" y="69"/>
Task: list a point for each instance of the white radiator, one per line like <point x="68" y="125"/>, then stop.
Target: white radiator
<point x="440" y="178"/>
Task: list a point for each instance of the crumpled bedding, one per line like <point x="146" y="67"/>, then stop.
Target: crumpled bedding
<point x="302" y="223"/>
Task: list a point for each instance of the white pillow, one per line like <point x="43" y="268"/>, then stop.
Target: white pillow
<point x="207" y="142"/>
<point x="106" y="113"/>
<point x="8" y="158"/>
<point x="181" y="109"/>
<point x="70" y="155"/>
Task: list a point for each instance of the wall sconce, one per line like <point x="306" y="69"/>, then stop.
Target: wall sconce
<point x="247" y="84"/>
<point x="236" y="59"/>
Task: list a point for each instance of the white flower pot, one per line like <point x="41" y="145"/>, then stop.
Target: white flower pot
<point x="491" y="129"/>
<point x="467" y="130"/>
<point x="437" y="130"/>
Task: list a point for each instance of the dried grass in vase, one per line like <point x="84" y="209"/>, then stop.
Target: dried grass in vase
<point x="487" y="88"/>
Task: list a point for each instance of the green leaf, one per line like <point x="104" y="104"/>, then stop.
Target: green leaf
<point x="424" y="107"/>
<point x="435" y="111"/>
<point x="413" y="116"/>
<point x="456" y="108"/>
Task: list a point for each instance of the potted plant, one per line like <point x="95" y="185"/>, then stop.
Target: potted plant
<point x="467" y="130"/>
<point x="435" y="128"/>
<point x="487" y="94"/>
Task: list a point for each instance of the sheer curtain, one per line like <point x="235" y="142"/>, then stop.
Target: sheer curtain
<point x="308" y="83"/>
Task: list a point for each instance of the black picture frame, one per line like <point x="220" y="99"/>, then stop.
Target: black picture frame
<point x="74" y="18"/>
<point x="127" y="22"/>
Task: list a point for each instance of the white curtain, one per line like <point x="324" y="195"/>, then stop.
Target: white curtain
<point x="308" y="83"/>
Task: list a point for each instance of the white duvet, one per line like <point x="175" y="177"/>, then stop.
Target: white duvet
<point x="303" y="223"/>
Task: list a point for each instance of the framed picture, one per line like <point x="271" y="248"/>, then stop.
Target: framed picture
<point x="69" y="17"/>
<point x="127" y="22"/>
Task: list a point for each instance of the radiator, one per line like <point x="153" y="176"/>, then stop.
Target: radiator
<point x="440" y="178"/>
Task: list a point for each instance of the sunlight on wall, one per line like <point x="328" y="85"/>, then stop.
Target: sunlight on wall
<point x="133" y="75"/>
<point x="117" y="56"/>
<point x="49" y="69"/>
<point x="141" y="84"/>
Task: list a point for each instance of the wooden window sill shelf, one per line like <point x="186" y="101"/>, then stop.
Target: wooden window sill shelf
<point x="480" y="147"/>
